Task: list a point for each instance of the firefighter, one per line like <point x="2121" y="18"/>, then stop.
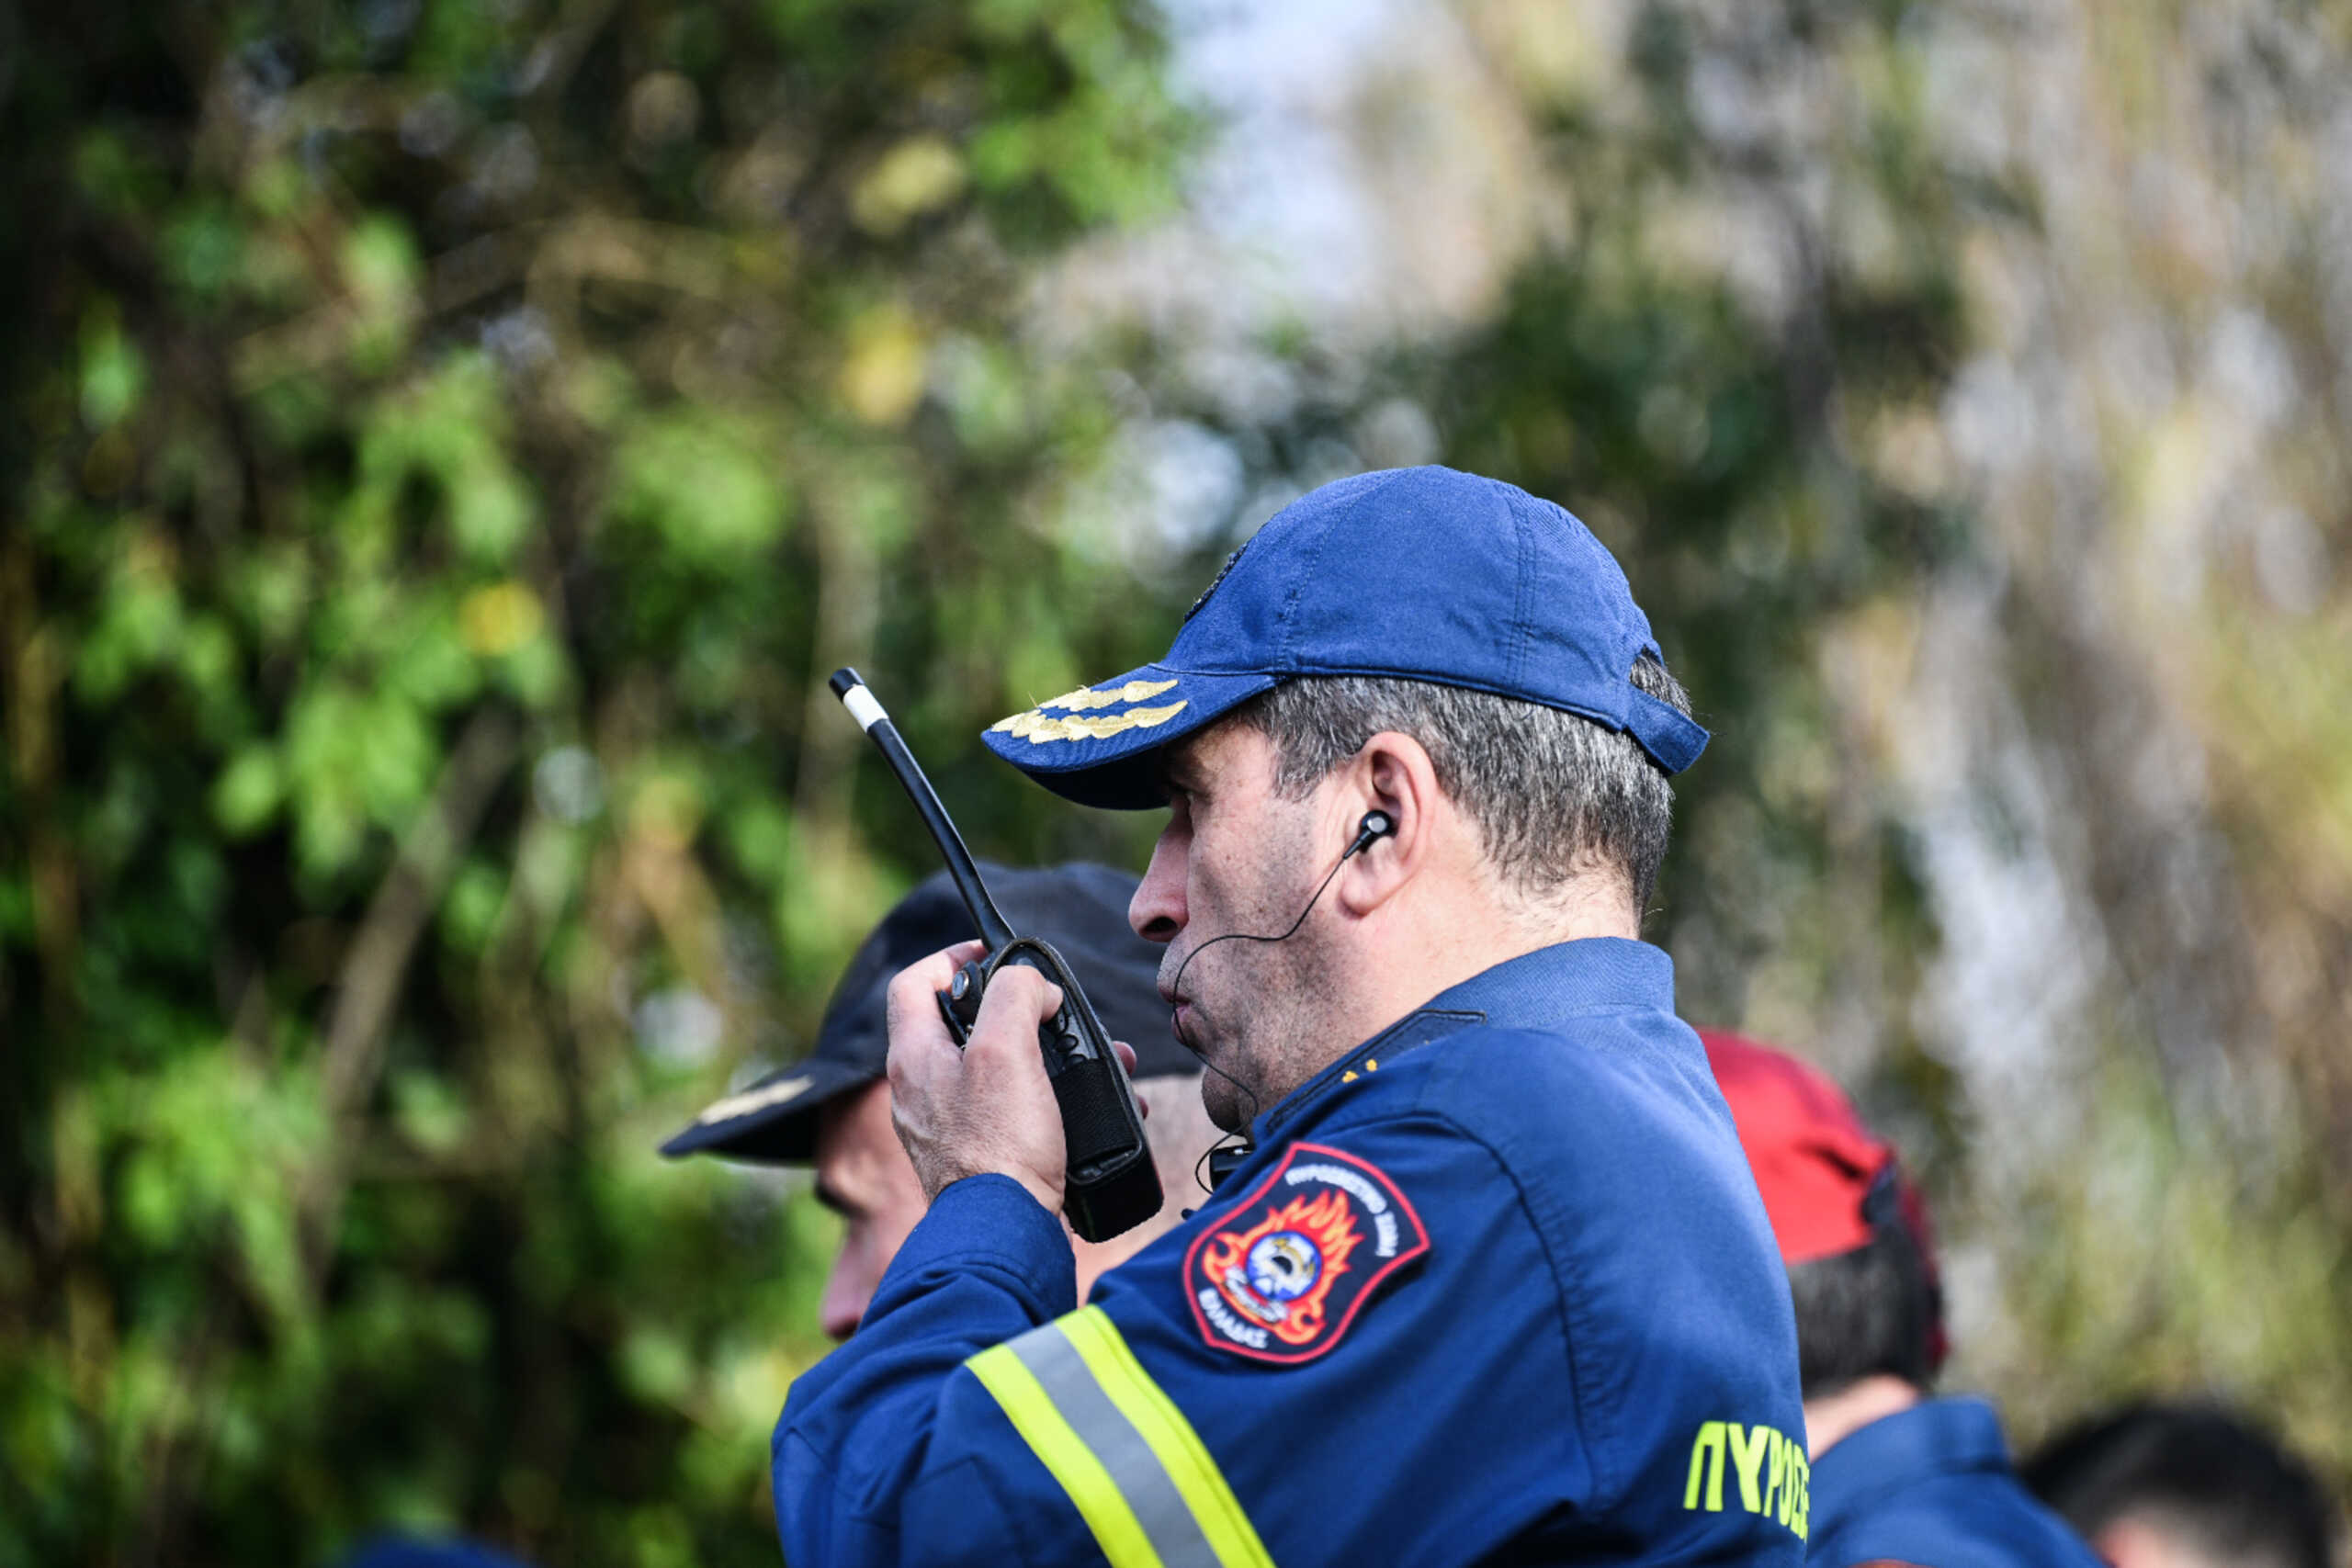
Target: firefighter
<point x="1491" y="1273"/>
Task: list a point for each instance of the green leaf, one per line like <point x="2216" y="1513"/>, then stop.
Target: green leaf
<point x="430" y="1112"/>
<point x="704" y="488"/>
<point x="657" y="1365"/>
<point x="383" y="276"/>
<point x="470" y="908"/>
<point x="114" y="373"/>
<point x="203" y="248"/>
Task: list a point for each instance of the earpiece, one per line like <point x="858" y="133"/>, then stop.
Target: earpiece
<point x="1375" y="825"/>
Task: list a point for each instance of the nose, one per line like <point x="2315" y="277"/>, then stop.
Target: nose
<point x="848" y="1289"/>
<point x="1156" y="911"/>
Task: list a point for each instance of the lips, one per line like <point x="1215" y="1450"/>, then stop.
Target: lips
<point x="1183" y="1015"/>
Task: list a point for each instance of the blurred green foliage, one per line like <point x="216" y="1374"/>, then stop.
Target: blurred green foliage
<point x="442" y="439"/>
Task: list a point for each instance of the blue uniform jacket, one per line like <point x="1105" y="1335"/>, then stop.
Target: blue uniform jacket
<point x="1496" y="1286"/>
<point x="1931" y="1485"/>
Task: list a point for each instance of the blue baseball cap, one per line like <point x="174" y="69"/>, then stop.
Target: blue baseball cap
<point x="1422" y="574"/>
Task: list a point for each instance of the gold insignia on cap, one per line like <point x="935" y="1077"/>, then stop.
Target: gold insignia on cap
<point x="1086" y="697"/>
<point x="1038" y="727"/>
<point x="752" y="1100"/>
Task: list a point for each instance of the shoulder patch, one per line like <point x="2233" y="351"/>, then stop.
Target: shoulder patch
<point x="1281" y="1277"/>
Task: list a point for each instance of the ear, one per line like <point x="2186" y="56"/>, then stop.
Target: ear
<point x="1391" y="772"/>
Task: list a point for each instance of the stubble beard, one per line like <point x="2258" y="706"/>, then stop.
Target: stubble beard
<point x="1258" y="1014"/>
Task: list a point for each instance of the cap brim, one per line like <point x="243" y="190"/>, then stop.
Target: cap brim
<point x="1097" y="745"/>
<point x="772" y="1121"/>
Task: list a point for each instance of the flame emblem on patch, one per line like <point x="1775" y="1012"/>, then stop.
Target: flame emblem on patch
<point x="1281" y="1270"/>
<point x="1282" y="1275"/>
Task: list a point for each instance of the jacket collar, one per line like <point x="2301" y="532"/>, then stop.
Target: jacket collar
<point x="1894" y="1453"/>
<point x="1599" y="974"/>
<point x="1535" y="991"/>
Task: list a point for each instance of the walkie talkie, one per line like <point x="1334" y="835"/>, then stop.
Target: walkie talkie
<point x="1110" y="1183"/>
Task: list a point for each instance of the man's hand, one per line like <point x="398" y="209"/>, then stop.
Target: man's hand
<point x="987" y="1109"/>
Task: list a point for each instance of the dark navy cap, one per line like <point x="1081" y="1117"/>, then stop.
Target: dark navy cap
<point x="1081" y="910"/>
<point x="1425" y="575"/>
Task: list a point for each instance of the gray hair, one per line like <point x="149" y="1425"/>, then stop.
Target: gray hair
<point x="1554" y="795"/>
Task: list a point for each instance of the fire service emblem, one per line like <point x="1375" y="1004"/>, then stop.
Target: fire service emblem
<point x="1285" y="1273"/>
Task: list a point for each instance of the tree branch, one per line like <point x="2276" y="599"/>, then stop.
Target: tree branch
<point x="377" y="959"/>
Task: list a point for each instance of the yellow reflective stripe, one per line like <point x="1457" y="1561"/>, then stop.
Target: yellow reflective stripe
<point x="1179" y="1450"/>
<point x="1066" y="1457"/>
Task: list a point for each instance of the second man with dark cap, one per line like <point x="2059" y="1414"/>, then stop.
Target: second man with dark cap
<point x="831" y="1109"/>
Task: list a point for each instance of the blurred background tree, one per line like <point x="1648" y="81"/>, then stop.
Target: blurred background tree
<point x="449" y="444"/>
<point x="443" y="443"/>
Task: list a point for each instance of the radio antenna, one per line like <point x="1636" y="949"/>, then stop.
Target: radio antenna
<point x="850" y="686"/>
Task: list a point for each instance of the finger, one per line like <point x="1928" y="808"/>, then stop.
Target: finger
<point x="924" y="1055"/>
<point x="1020" y="999"/>
<point x="1127" y="1055"/>
<point x="931" y="972"/>
<point x="908" y="1002"/>
<point x="1005" y="1037"/>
